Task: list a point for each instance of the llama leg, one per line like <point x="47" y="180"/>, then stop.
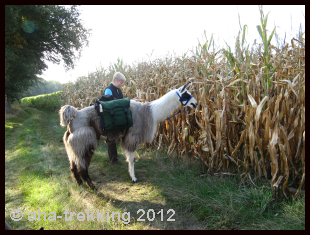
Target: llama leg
<point x="130" y="159"/>
<point x="73" y="165"/>
<point x="74" y="173"/>
<point x="80" y="147"/>
<point x="83" y="171"/>
<point x="85" y="176"/>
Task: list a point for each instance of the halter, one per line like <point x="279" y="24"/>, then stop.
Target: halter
<point x="181" y="101"/>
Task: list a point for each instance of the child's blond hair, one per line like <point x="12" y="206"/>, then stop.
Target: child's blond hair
<point x="119" y="76"/>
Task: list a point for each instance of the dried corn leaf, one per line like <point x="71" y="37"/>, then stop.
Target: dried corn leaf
<point x="300" y="185"/>
<point x="276" y="109"/>
<point x="273" y="153"/>
<point x="286" y="171"/>
<point x="239" y="143"/>
<point x="251" y="142"/>
<point x="258" y="111"/>
<point x="260" y="149"/>
<point x="218" y="130"/>
<point x="285" y="138"/>
<point x="289" y="83"/>
<point x="237" y="80"/>
<point x="252" y="101"/>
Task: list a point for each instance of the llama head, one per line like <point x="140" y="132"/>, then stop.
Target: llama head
<point x="185" y="96"/>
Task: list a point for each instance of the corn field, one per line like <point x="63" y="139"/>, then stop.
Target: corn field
<point x="250" y="118"/>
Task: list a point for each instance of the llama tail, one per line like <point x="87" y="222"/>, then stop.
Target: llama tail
<point x="66" y="114"/>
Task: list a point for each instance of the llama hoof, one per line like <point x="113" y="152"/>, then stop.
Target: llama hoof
<point x="93" y="189"/>
<point x="91" y="186"/>
<point x="135" y="181"/>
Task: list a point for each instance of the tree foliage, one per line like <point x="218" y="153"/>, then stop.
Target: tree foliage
<point x="46" y="88"/>
<point x="35" y="34"/>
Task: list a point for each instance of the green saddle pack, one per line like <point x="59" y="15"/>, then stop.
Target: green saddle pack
<point x="115" y="114"/>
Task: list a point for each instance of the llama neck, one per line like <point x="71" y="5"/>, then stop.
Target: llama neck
<point x="164" y="106"/>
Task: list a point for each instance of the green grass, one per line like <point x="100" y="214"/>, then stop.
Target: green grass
<point x="37" y="176"/>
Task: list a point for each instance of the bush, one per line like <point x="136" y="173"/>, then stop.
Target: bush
<point x="52" y="101"/>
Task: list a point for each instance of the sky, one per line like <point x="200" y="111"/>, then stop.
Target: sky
<point x="139" y="33"/>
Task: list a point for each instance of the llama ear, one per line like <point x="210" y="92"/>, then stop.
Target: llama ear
<point x="185" y="86"/>
<point x="189" y="84"/>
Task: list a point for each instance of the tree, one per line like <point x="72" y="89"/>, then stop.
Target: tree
<point x="35" y="34"/>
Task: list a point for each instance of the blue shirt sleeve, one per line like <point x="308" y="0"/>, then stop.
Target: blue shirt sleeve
<point x="108" y="91"/>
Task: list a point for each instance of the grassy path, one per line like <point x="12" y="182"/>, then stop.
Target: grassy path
<point x="37" y="177"/>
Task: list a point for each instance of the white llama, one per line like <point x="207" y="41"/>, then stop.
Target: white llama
<point x="80" y="138"/>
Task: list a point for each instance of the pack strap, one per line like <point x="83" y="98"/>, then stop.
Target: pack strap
<point x="126" y="115"/>
<point x="112" y="116"/>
